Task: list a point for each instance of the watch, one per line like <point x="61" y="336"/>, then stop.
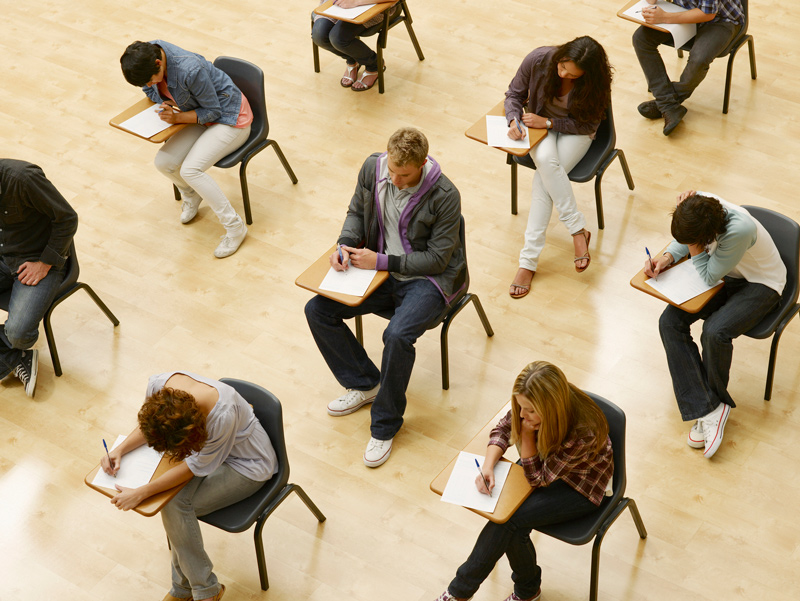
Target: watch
<point x="549" y="124"/>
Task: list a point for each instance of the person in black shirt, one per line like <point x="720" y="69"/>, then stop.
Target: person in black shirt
<point x="36" y="229"/>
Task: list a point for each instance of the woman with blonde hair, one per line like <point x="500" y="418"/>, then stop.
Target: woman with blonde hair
<point x="564" y="448"/>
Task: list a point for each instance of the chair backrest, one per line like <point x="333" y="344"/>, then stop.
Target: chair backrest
<point x="603" y="145"/>
<point x="785" y="233"/>
<point x="616" y="432"/>
<point x="249" y="78"/>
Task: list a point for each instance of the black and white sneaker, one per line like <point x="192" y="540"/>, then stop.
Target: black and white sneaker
<point x="27" y="369"/>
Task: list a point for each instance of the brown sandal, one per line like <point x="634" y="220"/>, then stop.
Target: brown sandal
<point x="350" y="74"/>
<point x="586" y="256"/>
<point x="525" y="287"/>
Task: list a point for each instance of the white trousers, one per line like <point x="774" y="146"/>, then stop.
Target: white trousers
<point x="186" y="156"/>
<point x="554" y="157"/>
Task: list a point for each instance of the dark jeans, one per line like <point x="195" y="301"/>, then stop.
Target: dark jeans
<point x="558" y="502"/>
<point x="417" y="306"/>
<point x="702" y="384"/>
<point x="26" y="309"/>
<point x="711" y="39"/>
<point x="342" y="39"/>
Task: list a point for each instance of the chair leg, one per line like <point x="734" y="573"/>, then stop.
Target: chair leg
<point x="359" y="330"/>
<point x="773" y="352"/>
<point x="262" y="562"/>
<point x="51" y="343"/>
<point x="469" y="298"/>
<point x="727" y="97"/>
<point x="111" y="317"/>
<point x="176" y="192"/>
<point x="751" y="48"/>
<point x="248" y="215"/>
<point x="309" y="503"/>
<point x="598" y="198"/>
<point x="513" y="186"/>
<point x="283" y="160"/>
<point x="637" y="519"/>
<point x="315" y="51"/>
<point x="381" y="86"/>
<point x="411" y="34"/>
<point x="680" y="53"/>
<point x="625" y="170"/>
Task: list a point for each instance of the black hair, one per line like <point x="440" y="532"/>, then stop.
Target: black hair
<point x="699" y="220"/>
<point x="139" y="62"/>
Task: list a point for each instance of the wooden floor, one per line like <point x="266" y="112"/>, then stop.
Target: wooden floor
<point x="721" y="528"/>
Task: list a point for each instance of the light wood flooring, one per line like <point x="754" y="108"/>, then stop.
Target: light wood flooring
<point x="727" y="528"/>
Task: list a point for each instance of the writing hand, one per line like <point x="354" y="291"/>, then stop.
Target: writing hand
<point x="514" y="130"/>
<point x="481" y="486"/>
<point x="344" y="263"/>
<point x="113" y="467"/>
<point x="653" y="15"/>
<point x="660" y="264"/>
<point x="128" y="498"/>
<point x="168" y="113"/>
<point x="31" y="273"/>
<point x="363" y="258"/>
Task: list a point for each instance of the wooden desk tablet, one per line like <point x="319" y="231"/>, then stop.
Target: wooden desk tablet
<point x="151" y="505"/>
<point x="137" y="108"/>
<point x="477" y="132"/>
<point x="637" y="21"/>
<point x="693" y="305"/>
<point x="516" y="488"/>
<point x="312" y="277"/>
<point x="360" y="19"/>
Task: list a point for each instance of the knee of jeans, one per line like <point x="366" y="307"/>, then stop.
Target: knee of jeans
<point x="397" y="335"/>
<point x="640" y="38"/>
<point x="698" y="63"/>
<point x="338" y="40"/>
<point x="164" y="163"/>
<point x="189" y="172"/>
<point x="21" y="336"/>
<point x="712" y="336"/>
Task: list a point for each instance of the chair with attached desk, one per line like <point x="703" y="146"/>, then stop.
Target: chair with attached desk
<point x="68" y="287"/>
<point x="456" y="305"/>
<point x="382" y="29"/>
<point x="256" y="508"/>
<point x="249" y="78"/>
<point x="595" y="525"/>
<point x="593" y="164"/>
<point x="785" y="232"/>
<point x="730" y="51"/>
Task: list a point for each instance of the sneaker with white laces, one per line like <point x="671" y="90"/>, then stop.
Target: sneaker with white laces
<point x="351" y="401"/>
<point x="27" y="370"/>
<point x="189" y="208"/>
<point x="377" y="452"/>
<point x="446" y="596"/>
<point x="230" y="244"/>
<point x="696" y="440"/>
<point x="713" y="426"/>
<point x="513" y="597"/>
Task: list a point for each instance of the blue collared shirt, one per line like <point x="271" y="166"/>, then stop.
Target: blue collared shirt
<point x="726" y="10"/>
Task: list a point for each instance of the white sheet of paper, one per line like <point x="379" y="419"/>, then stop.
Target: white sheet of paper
<point x="461" y="489"/>
<point x="147" y="123"/>
<point x="136" y="467"/>
<point x="354" y="281"/>
<point x="497" y="134"/>
<point x="680" y="283"/>
<point x="347" y="13"/>
<point x="681" y="32"/>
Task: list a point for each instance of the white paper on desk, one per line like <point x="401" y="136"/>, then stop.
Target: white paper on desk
<point x="147" y="123"/>
<point x="136" y="468"/>
<point x="461" y="489"/>
<point x="347" y="13"/>
<point x="680" y="283"/>
<point x="681" y="32"/>
<point x="497" y="134"/>
<point x="353" y="281"/>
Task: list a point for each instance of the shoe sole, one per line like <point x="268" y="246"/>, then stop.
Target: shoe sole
<point x="726" y="411"/>
<point x="349" y="410"/>
<point x="695" y="444"/>
<point x="378" y="462"/>
<point x="31" y="387"/>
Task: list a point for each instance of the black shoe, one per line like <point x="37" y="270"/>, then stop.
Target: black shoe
<point x="649" y="109"/>
<point x="672" y="117"/>
<point x="27" y="369"/>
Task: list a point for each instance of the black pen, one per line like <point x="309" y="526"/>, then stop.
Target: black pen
<point x="109" y="456"/>
<point x="485" y="482"/>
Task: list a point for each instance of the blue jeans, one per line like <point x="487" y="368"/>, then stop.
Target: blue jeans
<point x="342" y="39"/>
<point x="26" y="309"/>
<point x="711" y="39"/>
<point x="417" y="306"/>
<point x="701" y="384"/>
<point x="192" y="574"/>
<point x="552" y="504"/>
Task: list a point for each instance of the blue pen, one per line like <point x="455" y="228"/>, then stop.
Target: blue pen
<point x="486" y="484"/>
<point x="107" y="455"/>
<point x="341" y="257"/>
<point x="519" y="127"/>
<point x="652" y="267"/>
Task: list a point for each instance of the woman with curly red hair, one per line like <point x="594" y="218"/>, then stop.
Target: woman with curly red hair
<point x="224" y="453"/>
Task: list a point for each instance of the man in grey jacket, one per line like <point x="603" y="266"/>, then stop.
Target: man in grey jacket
<point x="404" y="218"/>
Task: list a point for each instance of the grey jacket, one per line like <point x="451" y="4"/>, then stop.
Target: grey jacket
<point x="429" y="227"/>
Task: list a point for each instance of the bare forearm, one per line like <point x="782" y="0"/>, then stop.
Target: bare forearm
<point x="694" y="15"/>
<point x="173" y="477"/>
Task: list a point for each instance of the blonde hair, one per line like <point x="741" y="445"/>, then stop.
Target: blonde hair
<point x="408" y="146"/>
<point x="561" y="406"/>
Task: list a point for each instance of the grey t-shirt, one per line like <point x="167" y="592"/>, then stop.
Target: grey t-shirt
<point x="235" y="436"/>
<point x="393" y="203"/>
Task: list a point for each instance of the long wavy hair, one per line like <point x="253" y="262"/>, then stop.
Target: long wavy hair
<point x="592" y="92"/>
<point x="561" y="406"/>
<point x="172" y="423"/>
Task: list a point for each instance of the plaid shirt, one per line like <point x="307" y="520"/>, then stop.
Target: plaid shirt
<point x="726" y="10"/>
<point x="575" y="462"/>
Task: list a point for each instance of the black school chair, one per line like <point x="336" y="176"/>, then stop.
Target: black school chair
<point x="249" y="78"/>
<point x="785" y="233"/>
<point x="595" y="525"/>
<point x="382" y="29"/>
<point x="593" y="165"/>
<point x="456" y="305"/>
<point x="256" y="508"/>
<point x="68" y="287"/>
<point x="730" y="51"/>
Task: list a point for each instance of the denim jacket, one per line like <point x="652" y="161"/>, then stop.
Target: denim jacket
<point x="196" y="84"/>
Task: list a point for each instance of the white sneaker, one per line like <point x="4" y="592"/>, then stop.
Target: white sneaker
<point x="696" y="440"/>
<point x="377" y="452"/>
<point x="230" y="244"/>
<point x="189" y="208"/>
<point x="351" y="401"/>
<point x="713" y="426"/>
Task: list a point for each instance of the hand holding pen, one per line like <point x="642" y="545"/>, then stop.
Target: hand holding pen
<point x="487" y="482"/>
<point x="113" y="467"/>
<point x="340" y="260"/>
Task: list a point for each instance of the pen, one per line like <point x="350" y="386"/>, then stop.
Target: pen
<point x="107" y="455"/>
<point x="518" y="125"/>
<point x="485" y="483"/>
<point x="649" y="258"/>
<point x="174" y="108"/>
<point x="341" y="257"/>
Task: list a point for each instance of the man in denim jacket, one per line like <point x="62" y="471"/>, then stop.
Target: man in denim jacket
<point x="404" y="218"/>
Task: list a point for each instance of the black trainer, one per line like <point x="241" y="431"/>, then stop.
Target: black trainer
<point x="27" y="369"/>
